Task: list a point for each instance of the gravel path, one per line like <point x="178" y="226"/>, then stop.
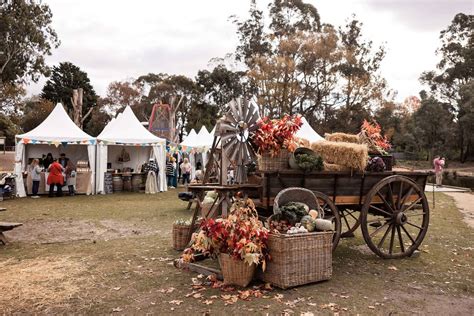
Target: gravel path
<point x="465" y="203"/>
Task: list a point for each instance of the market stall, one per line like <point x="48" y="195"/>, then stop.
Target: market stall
<point x="57" y="134"/>
<point x="123" y="147"/>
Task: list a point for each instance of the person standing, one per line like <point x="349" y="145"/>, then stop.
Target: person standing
<point x="170" y="172"/>
<point x="48" y="161"/>
<point x="175" y="175"/>
<point x="70" y="177"/>
<point x="151" y="184"/>
<point x="55" y="178"/>
<point x="63" y="160"/>
<point x="186" y="171"/>
<point x="35" y="172"/>
<point x="438" y="164"/>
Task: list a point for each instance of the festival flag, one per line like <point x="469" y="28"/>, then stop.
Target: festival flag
<point x="26" y="141"/>
<point x="56" y="143"/>
<point x="64" y="144"/>
<point x="92" y="141"/>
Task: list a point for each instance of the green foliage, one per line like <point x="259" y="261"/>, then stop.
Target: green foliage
<point x="35" y="111"/>
<point x="8" y="129"/>
<point x="451" y="82"/>
<point x="26" y="36"/>
<point x="309" y="162"/>
<point x="64" y="78"/>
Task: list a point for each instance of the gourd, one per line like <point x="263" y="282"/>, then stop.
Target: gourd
<point x="314" y="214"/>
<point x="309" y="223"/>
<point x="323" y="224"/>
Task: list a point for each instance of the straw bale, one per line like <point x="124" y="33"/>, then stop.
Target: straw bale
<point x="341" y="153"/>
<point x="335" y="167"/>
<point x="342" y="137"/>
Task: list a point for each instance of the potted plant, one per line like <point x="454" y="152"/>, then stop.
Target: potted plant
<point x="275" y="140"/>
<point x="371" y="134"/>
<point x="238" y="241"/>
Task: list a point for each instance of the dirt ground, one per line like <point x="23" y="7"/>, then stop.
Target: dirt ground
<point x="465" y="204"/>
<point x="112" y="255"/>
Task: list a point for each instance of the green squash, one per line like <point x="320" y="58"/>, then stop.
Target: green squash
<point x="309" y="223"/>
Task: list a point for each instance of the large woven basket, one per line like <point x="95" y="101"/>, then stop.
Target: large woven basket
<point x="180" y="236"/>
<point x="298" y="259"/>
<point x="268" y="163"/>
<point x="236" y="272"/>
<point x="296" y="194"/>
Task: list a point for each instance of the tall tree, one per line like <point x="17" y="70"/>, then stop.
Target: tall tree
<point x="35" y="111"/>
<point x="64" y="79"/>
<point x="26" y="36"/>
<point x="121" y="94"/>
<point x="454" y="71"/>
<point x="361" y="85"/>
<point x="290" y="16"/>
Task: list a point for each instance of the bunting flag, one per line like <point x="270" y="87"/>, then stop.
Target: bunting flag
<point x="56" y="143"/>
<point x="92" y="141"/>
<point x="34" y="141"/>
<point x="26" y="141"/>
<point x="64" y="144"/>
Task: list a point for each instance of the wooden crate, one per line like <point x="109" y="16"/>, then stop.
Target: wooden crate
<point x="298" y="259"/>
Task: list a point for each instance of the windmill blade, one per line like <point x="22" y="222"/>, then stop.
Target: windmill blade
<point x="239" y="107"/>
<point x="253" y="126"/>
<point x="249" y="114"/>
<point x="245" y="110"/>
<point x="233" y="108"/>
<point x="251" y="152"/>
<point x="234" y="153"/>
<point x="226" y="127"/>
<point x="227" y="136"/>
<point x="232" y="142"/>
<point x="230" y="117"/>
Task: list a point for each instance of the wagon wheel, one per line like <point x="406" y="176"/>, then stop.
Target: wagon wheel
<point x="394" y="224"/>
<point x="349" y="221"/>
<point x="330" y="213"/>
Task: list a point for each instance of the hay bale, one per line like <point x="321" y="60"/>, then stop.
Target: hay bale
<point x="342" y="137"/>
<point x="346" y="154"/>
<point x="334" y="167"/>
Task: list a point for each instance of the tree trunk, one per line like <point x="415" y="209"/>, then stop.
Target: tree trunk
<point x="76" y="101"/>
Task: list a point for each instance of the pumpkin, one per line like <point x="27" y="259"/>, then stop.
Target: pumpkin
<point x="323" y="224"/>
<point x="308" y="222"/>
<point x="314" y="214"/>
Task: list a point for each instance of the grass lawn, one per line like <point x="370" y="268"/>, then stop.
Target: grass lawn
<point x="112" y="254"/>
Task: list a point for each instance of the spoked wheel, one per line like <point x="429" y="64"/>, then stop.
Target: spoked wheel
<point x="395" y="217"/>
<point x="349" y="221"/>
<point x="330" y="213"/>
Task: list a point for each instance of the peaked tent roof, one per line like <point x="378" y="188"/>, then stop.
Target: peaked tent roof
<point x="308" y="133"/>
<point x="190" y="139"/>
<point x="127" y="129"/>
<point x="58" y="126"/>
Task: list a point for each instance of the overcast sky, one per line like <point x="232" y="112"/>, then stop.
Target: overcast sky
<point x="117" y="39"/>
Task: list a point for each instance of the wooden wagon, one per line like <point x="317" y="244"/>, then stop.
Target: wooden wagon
<point x="390" y="207"/>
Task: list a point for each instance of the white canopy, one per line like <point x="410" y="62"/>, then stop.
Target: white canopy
<point x="126" y="133"/>
<point x="190" y="139"/>
<point x="204" y="138"/>
<point x="56" y="130"/>
<point x="58" y="126"/>
<point x="308" y="133"/>
<point x="127" y="129"/>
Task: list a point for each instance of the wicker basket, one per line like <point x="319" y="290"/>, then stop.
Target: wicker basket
<point x="298" y="259"/>
<point x="180" y="236"/>
<point x="268" y="163"/>
<point x="236" y="272"/>
<point x="296" y="194"/>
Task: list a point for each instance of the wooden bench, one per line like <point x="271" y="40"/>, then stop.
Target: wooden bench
<point x="5" y="226"/>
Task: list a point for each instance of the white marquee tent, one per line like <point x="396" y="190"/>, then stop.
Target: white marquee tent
<point x="308" y="133"/>
<point x="56" y="134"/>
<point x="127" y="133"/>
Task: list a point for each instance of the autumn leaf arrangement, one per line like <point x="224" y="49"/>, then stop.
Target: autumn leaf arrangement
<point x="241" y="235"/>
<point x="275" y="135"/>
<point x="371" y="134"/>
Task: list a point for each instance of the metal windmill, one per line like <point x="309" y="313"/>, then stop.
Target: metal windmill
<point x="235" y="129"/>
